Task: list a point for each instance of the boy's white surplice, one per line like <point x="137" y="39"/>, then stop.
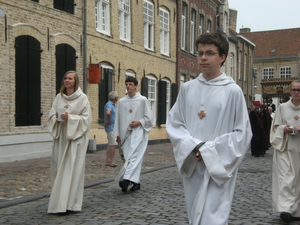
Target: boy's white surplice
<point x="70" y="140"/>
<point x="286" y="160"/>
<point x="130" y="109"/>
<point x="209" y="185"/>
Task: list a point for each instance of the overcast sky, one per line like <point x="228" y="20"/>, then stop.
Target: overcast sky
<point x="261" y="15"/>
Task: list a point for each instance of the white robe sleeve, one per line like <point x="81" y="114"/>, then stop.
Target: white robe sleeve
<point x="78" y="125"/>
<point x="182" y="140"/>
<point x="53" y="126"/>
<point x="146" y="121"/>
<point x="278" y="138"/>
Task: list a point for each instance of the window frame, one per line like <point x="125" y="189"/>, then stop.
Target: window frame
<point x="148" y="25"/>
<point x="268" y="73"/>
<point x="152" y="82"/>
<point x="285" y="72"/>
<point x="231" y="66"/>
<point x="201" y="24"/>
<point x="183" y="26"/>
<point x="192" y="31"/>
<point x="168" y="99"/>
<point x="104" y="13"/>
<point x="64" y="5"/>
<point x="164" y="19"/>
<point x="245" y="67"/>
<point x="255" y="77"/>
<point x="182" y="79"/>
<point x="124" y="20"/>
<point x="208" y="26"/>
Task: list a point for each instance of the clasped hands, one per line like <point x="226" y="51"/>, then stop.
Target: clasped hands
<point x="290" y="129"/>
<point x="198" y="156"/>
<point x="134" y="124"/>
<point x="64" y="116"/>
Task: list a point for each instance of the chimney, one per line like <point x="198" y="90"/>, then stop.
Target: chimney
<point x="245" y="30"/>
<point x="232" y="18"/>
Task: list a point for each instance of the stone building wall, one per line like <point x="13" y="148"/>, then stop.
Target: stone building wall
<point x="133" y="56"/>
<point x="50" y="27"/>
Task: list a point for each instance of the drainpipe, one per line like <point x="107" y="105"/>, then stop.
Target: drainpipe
<point x="84" y="49"/>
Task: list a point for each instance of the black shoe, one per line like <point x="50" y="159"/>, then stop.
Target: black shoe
<point x="135" y="187"/>
<point x="124" y="185"/>
<point x="286" y="217"/>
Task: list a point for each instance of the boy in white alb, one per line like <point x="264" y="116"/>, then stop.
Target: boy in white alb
<point x="210" y="131"/>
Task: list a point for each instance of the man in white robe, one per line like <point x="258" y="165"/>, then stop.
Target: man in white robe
<point x="132" y="126"/>
<point x="70" y="140"/>
<point x="285" y="139"/>
<point x="210" y="131"/>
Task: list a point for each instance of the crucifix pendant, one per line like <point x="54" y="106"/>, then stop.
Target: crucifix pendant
<point x="130" y="110"/>
<point x="201" y="114"/>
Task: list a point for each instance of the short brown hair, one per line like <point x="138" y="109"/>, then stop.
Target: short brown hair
<point x="217" y="39"/>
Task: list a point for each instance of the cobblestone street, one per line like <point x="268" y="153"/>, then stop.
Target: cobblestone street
<point x="160" y="200"/>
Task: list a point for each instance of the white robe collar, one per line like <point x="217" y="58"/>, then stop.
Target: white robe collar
<point x="223" y="79"/>
<point x="73" y="96"/>
<point x="137" y="94"/>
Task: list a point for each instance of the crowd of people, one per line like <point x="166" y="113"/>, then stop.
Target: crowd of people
<point x="261" y="117"/>
<point x="210" y="138"/>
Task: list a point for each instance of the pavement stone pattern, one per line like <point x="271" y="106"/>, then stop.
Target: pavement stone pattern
<point x="29" y="177"/>
<point x="160" y="200"/>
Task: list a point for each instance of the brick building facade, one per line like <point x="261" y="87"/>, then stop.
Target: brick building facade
<point x="151" y="40"/>
<point x="33" y="34"/>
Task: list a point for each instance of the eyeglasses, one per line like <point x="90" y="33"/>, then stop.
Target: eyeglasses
<point x="208" y="53"/>
<point x="295" y="90"/>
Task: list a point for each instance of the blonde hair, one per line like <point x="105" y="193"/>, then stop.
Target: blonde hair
<point x="295" y="81"/>
<point x="76" y="85"/>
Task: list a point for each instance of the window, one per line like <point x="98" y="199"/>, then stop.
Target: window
<point x="182" y="79"/>
<point x="35" y="0"/>
<point x="103" y="16"/>
<point x="255" y="77"/>
<point x="152" y="96"/>
<point x="148" y="25"/>
<point x="163" y="101"/>
<point x="65" y="57"/>
<point x="183" y="25"/>
<point x="65" y="5"/>
<point x="201" y="24"/>
<point x="168" y="92"/>
<point x="208" y="26"/>
<point x="231" y="59"/>
<point x="285" y="72"/>
<point x="27" y="81"/>
<point x="240" y="66"/>
<point x="104" y="87"/>
<point x="268" y="73"/>
<point x="124" y="20"/>
<point x="192" y="31"/>
<point x="245" y="67"/>
<point x="164" y="31"/>
<point x="129" y="73"/>
<point x="225" y="22"/>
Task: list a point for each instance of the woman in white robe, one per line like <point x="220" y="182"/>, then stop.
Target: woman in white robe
<point x="70" y="140"/>
<point x="286" y="158"/>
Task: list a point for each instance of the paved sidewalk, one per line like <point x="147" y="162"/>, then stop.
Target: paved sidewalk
<point x="160" y="200"/>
